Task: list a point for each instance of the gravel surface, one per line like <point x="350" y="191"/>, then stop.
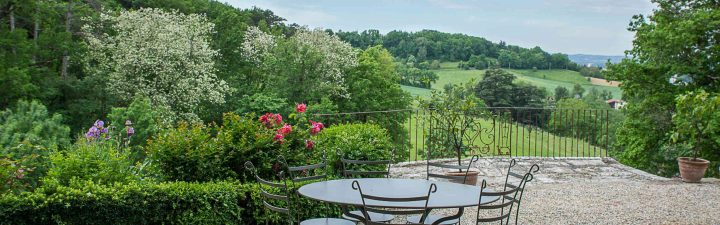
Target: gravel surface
<point x="597" y="192"/>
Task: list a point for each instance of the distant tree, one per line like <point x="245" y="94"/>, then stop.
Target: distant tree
<point x="435" y="64"/>
<point x="591" y="71"/>
<point x="578" y="91"/>
<point x="496" y="88"/>
<point x="606" y="95"/>
<point x="561" y="92"/>
<point x="527" y="95"/>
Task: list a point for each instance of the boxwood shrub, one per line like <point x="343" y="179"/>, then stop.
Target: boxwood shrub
<point x="85" y="202"/>
<point x="360" y="141"/>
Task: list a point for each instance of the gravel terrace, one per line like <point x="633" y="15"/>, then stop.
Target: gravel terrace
<point x="595" y="191"/>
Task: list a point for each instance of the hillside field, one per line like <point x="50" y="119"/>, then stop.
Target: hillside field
<point x="548" y="79"/>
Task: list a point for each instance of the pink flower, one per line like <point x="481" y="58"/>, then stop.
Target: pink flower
<point x="285" y="130"/>
<point x="309" y="144"/>
<point x="279" y="138"/>
<point x="20" y="173"/>
<point x="301" y="108"/>
<point x="278" y="119"/>
<point x="316" y="127"/>
<point x="270" y="120"/>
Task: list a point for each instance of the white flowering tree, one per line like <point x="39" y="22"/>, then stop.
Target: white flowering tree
<point x="307" y="66"/>
<point x="165" y="55"/>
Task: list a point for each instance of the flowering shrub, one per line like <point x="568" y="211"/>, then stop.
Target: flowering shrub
<point x="203" y="153"/>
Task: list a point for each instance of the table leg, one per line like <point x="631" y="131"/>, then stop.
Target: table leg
<point x="346" y="212"/>
<point x="456" y="216"/>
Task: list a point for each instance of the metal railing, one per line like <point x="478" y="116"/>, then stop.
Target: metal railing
<point x="502" y="132"/>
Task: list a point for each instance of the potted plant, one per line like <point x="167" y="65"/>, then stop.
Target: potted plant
<point x="697" y="122"/>
<point x="454" y="127"/>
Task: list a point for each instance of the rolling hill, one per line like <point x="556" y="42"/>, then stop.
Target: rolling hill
<point x="548" y="79"/>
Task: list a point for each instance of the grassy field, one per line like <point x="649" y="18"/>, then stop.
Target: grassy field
<point x="549" y="79"/>
<point x="525" y="141"/>
<point x="520" y="140"/>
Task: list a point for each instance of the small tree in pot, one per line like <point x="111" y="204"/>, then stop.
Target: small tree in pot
<point x="697" y="122"/>
<point x="454" y="118"/>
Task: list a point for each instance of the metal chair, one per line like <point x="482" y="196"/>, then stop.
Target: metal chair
<point x="509" y="196"/>
<point x="313" y="172"/>
<point x="283" y="199"/>
<point x="393" y="211"/>
<point x="514" y="180"/>
<point x="362" y="169"/>
<point x="466" y="168"/>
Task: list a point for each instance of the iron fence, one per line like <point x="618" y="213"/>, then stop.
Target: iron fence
<point x="419" y="134"/>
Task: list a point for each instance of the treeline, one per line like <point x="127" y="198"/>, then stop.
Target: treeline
<point x="76" y="58"/>
<point x="43" y="52"/>
<point x="417" y="74"/>
<point x="479" y="53"/>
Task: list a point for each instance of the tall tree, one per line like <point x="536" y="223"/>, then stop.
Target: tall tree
<point x="163" y="55"/>
<point x="496" y="88"/>
<point x="653" y="77"/>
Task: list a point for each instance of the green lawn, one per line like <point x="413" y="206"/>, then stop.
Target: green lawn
<point x="521" y="140"/>
<point x="526" y="141"/>
<point x="549" y="79"/>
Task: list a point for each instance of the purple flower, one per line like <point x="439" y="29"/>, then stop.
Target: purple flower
<point x="92" y="133"/>
<point x="99" y="123"/>
<point x="104" y="131"/>
<point x="130" y="131"/>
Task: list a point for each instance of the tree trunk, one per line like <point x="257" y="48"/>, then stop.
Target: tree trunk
<point x="36" y="31"/>
<point x="12" y="18"/>
<point x="66" y="56"/>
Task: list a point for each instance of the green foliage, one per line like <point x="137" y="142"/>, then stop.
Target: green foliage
<point x="676" y="30"/>
<point x="99" y="162"/>
<point x="144" y="117"/>
<point x="355" y="141"/>
<point x="498" y="90"/>
<point x="205" y="153"/>
<point x="591" y="71"/>
<point x="697" y="122"/>
<point x="262" y="103"/>
<point x="453" y="113"/>
<point x="190" y="153"/>
<point x="30" y="122"/>
<point x="586" y="123"/>
<point x="561" y="92"/>
<point x="578" y="91"/>
<point x="23" y="166"/>
<point x="86" y="202"/>
<point x="479" y="52"/>
<point x="416" y="77"/>
<point x="91" y="203"/>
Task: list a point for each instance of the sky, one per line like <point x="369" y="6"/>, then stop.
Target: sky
<point x="566" y="26"/>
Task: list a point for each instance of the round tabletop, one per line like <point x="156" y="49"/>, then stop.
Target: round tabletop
<point x="448" y="195"/>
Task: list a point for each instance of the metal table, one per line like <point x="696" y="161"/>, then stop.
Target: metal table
<point x="448" y="195"/>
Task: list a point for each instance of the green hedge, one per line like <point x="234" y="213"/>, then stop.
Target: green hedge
<point x="164" y="203"/>
<point x="360" y="141"/>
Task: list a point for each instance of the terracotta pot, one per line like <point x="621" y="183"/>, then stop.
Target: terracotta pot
<point x="692" y="170"/>
<point x="471" y="177"/>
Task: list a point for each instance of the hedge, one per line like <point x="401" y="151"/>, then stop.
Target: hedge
<point x="85" y="202"/>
